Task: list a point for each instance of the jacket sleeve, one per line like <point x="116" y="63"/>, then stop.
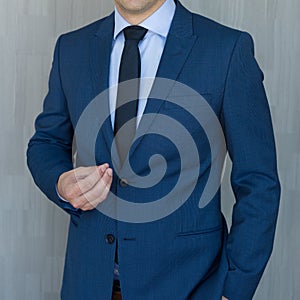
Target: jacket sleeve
<point x="250" y="141"/>
<point x="49" y="152"/>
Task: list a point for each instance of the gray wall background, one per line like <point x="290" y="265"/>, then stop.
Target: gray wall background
<point x="33" y="231"/>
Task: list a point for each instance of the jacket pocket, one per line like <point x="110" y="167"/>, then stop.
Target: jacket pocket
<point x="199" y="232"/>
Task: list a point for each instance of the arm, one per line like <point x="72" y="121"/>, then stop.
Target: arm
<point x="49" y="154"/>
<point x="250" y="142"/>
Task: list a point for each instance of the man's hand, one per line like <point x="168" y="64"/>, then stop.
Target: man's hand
<point x="85" y="187"/>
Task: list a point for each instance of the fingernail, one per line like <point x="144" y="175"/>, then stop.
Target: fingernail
<point x="109" y="172"/>
<point x="102" y="169"/>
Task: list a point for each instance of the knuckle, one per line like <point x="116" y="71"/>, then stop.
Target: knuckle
<point x="72" y="192"/>
<point x="69" y="195"/>
<point x="77" y="205"/>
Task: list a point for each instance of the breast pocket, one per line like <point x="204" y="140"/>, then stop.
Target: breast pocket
<point x="191" y="103"/>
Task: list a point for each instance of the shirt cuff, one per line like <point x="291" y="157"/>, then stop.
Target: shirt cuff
<point x="60" y="197"/>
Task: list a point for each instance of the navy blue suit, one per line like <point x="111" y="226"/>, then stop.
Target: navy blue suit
<point x="188" y="254"/>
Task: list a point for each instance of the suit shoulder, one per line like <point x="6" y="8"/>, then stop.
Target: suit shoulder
<point x="213" y="30"/>
<point x="85" y="31"/>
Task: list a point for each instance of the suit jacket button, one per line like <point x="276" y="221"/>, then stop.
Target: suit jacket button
<point x="123" y="182"/>
<point x="110" y="238"/>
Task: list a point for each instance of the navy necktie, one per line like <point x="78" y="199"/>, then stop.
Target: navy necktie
<point x="130" y="68"/>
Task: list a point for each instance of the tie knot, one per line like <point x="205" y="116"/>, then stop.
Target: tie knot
<point x="134" y="32"/>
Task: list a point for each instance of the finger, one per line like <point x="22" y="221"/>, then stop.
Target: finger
<point x="94" y="196"/>
<point x="93" y="204"/>
<point x="82" y="172"/>
<point x="72" y="187"/>
<point x="92" y="176"/>
<point x="98" y="193"/>
<point x="108" y="179"/>
<point x="101" y="190"/>
<point x="87" y="207"/>
<point x="103" y="168"/>
<point x="89" y="182"/>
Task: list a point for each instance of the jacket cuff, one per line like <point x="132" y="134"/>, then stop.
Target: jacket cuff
<point x="51" y="190"/>
<point x="240" y="285"/>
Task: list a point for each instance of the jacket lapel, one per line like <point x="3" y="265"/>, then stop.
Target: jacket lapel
<point x="179" y="44"/>
<point x="101" y="45"/>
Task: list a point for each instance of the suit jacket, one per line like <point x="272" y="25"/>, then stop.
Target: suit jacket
<point x="188" y="254"/>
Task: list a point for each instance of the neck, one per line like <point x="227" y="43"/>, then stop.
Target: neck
<point x="137" y="17"/>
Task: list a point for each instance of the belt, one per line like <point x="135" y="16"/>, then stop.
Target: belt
<point x="116" y="294"/>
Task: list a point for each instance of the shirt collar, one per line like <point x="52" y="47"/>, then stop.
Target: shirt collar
<point x="159" y="22"/>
